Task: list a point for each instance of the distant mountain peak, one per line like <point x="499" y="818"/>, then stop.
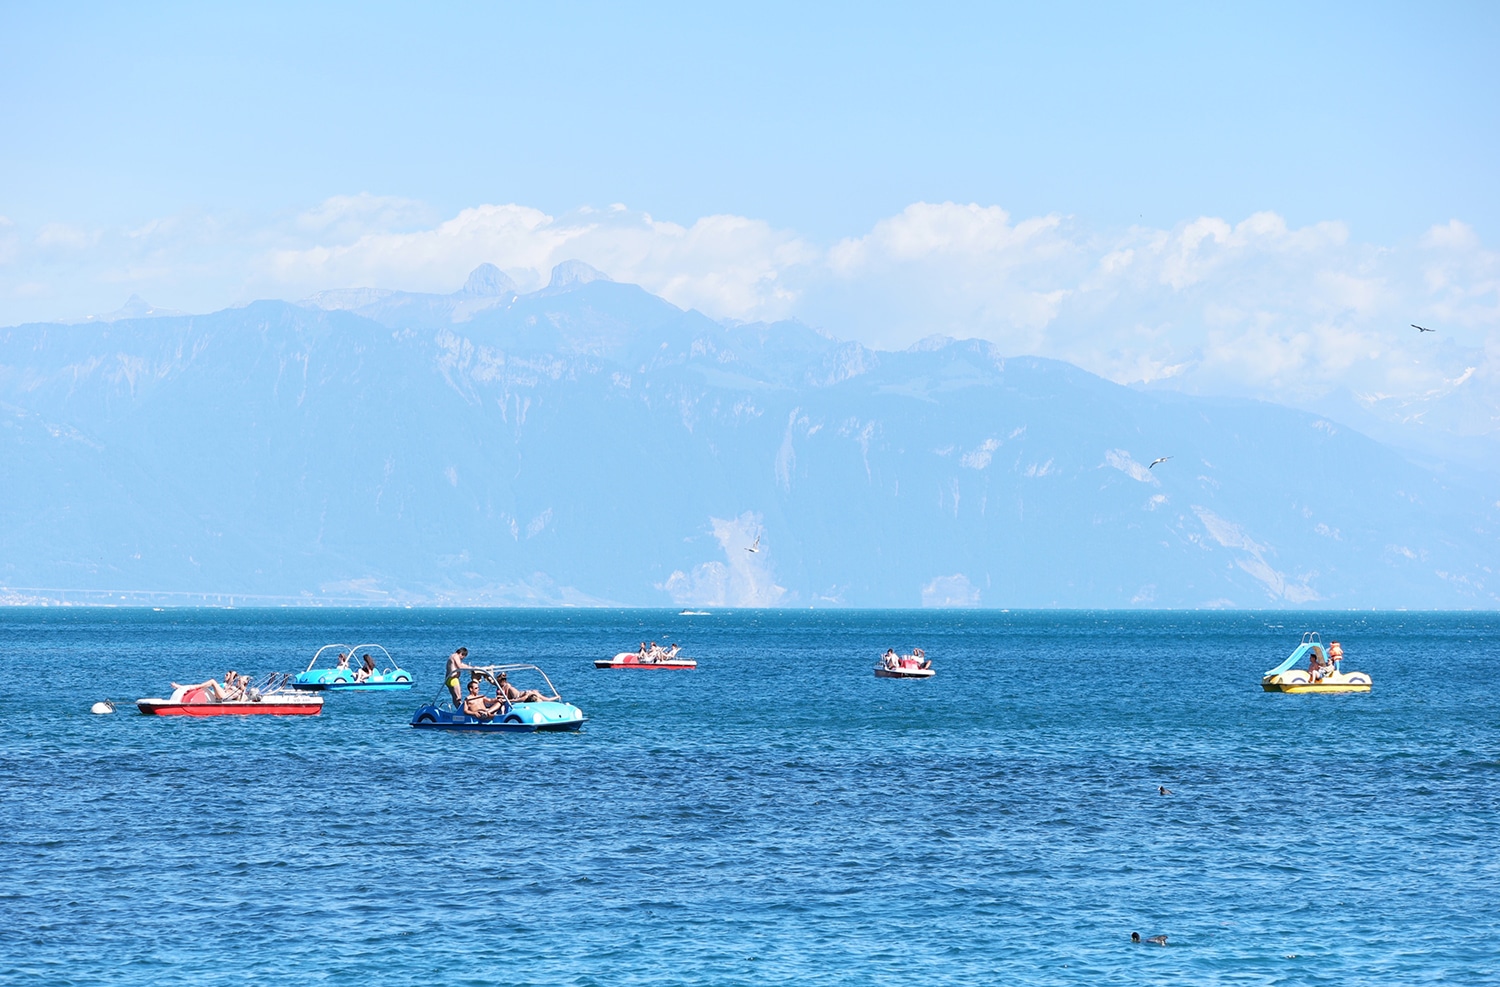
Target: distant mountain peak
<point x="575" y="272"/>
<point x="488" y="281"/>
<point x="347" y="299"/>
<point x="929" y="344"/>
<point x="135" y="307"/>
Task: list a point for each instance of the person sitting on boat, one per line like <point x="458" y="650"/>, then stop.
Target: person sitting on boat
<point x="510" y="692"/>
<point x="672" y="651"/>
<point x="477" y="703"/>
<point x="1314" y="665"/>
<point x="456" y="664"/>
<point x="343" y="660"/>
<point x="365" y="669"/>
<point x="921" y="657"/>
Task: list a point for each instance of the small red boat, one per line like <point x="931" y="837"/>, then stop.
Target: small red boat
<point x="197" y="702"/>
<point x="650" y="658"/>
<point x="913" y="666"/>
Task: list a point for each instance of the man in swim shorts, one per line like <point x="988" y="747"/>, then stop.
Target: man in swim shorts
<point x="456" y="664"/>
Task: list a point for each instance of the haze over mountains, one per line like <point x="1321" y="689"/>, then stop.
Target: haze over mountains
<point x="590" y="443"/>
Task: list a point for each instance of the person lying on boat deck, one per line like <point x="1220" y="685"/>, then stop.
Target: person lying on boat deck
<point x="365" y="668"/>
<point x="516" y="695"/>
<point x="456" y="664"/>
<point x="213" y="691"/>
<point x="477" y="703"/>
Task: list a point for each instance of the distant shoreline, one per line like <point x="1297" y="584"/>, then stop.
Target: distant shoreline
<point x="29" y="599"/>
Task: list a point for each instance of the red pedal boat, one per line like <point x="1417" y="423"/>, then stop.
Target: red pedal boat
<point x="198" y="701"/>
<point x="652" y="657"/>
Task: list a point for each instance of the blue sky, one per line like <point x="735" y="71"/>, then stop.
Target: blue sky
<point x="1249" y="201"/>
<point x="823" y="119"/>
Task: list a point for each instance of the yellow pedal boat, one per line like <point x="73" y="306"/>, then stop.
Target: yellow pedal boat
<point x="1322" y="674"/>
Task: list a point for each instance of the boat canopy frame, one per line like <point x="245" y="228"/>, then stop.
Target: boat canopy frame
<point x="492" y="671"/>
<point x="390" y="666"/>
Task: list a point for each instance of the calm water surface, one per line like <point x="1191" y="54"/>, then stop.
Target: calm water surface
<point x="780" y="815"/>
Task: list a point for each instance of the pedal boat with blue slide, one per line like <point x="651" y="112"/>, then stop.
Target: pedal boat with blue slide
<point x="343" y="671"/>
<point x="1322" y="674"/>
<point x="546" y="715"/>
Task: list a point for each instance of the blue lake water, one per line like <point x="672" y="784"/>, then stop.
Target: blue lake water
<point x="779" y="815"/>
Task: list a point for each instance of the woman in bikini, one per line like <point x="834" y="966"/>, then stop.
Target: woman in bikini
<point x="515" y="695"/>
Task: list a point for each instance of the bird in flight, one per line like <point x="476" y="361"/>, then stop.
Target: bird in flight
<point x="1155" y="461"/>
<point x="755" y="547"/>
<point x="1421" y="328"/>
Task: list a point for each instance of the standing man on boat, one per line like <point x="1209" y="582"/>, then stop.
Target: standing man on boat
<point x="456" y="664"/>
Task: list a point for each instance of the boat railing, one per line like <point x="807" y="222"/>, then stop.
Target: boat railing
<point x="319" y="653"/>
<point x="353" y="653"/>
<point x="495" y="670"/>
<point x="444" y="700"/>
<point x="390" y="663"/>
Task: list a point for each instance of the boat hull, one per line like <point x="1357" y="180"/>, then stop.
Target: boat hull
<point x="543" y="717"/>
<point x="1315" y="687"/>
<point x="904" y="673"/>
<point x="303" y="706"/>
<point x="1297" y="681"/>
<point x="331" y="681"/>
<point x="675" y="664"/>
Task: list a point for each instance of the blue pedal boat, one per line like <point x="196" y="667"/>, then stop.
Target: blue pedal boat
<point x="546" y="714"/>
<point x="353" y="669"/>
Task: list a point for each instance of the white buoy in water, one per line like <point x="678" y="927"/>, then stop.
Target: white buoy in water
<point x="102" y="706"/>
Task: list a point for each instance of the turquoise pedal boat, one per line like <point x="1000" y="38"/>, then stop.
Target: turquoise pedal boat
<point x="357" y="669"/>
<point x="546" y="714"/>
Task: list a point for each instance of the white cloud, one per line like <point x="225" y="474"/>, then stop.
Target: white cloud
<point x="728" y="266"/>
<point x="744" y="579"/>
<point x="949" y="592"/>
<point x="1255" y="307"/>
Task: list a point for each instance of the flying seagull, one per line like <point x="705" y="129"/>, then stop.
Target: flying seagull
<point x="1155" y="461"/>
<point x="755" y="547"/>
<point x="1421" y="328"/>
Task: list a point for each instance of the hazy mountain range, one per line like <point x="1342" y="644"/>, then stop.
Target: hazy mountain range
<point x="591" y="443"/>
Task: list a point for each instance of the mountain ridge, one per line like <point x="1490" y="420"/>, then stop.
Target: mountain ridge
<point x="598" y="445"/>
